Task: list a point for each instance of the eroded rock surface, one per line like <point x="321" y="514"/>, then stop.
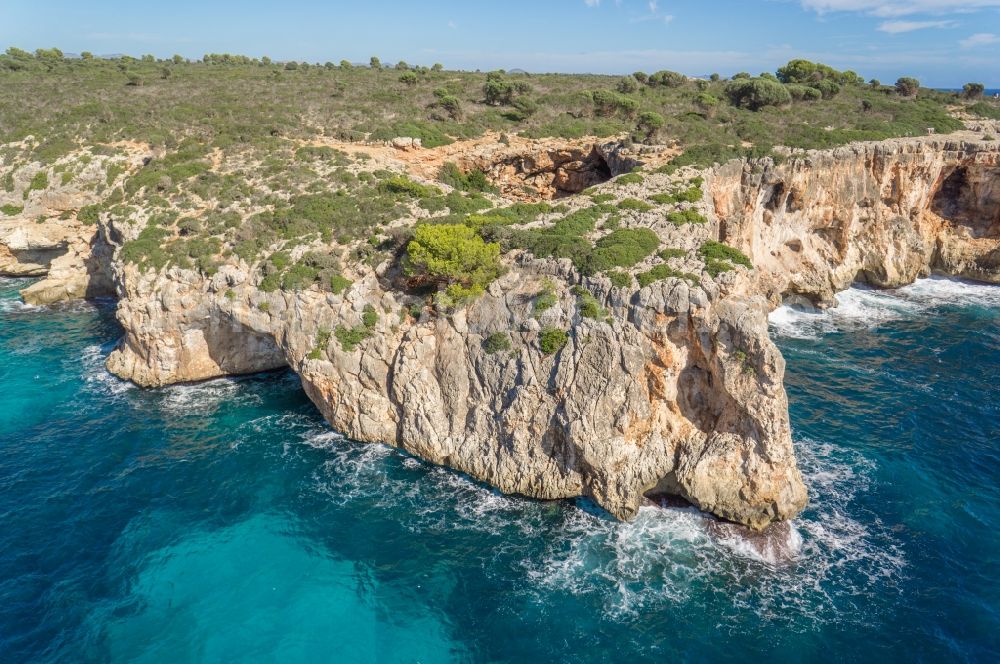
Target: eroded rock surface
<point x="884" y="213"/>
<point x="678" y="390"/>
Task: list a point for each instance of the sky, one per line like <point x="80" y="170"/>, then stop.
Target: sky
<point x="944" y="43"/>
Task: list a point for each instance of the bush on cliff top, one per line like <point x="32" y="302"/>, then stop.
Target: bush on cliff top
<point x="455" y="256"/>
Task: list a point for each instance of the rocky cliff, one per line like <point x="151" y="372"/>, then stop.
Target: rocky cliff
<point x="882" y="213"/>
<point x="673" y="388"/>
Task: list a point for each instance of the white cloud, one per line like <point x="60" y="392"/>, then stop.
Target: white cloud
<point x="592" y="3"/>
<point x="452" y="25"/>
<point x="895" y="8"/>
<point x="980" y="39"/>
<point x="653" y="15"/>
<point x="897" y="27"/>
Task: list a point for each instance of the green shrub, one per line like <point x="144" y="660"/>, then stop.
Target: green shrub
<point x="907" y="86"/>
<point x="803" y="92"/>
<point x="299" y="276"/>
<point x="692" y="216"/>
<point x="403" y="185"/>
<point x="497" y="90"/>
<point x="634" y="204"/>
<point x="607" y="102"/>
<point x="985" y="110"/>
<point x="546" y="298"/>
<point x="452" y="105"/>
<point x="147" y="249"/>
<point x="622" y="248"/>
<point x="351" y="338"/>
<point x="588" y="304"/>
<point x="322" y="341"/>
<point x="409" y="78"/>
<point x="40" y="180"/>
<point x="648" y="124"/>
<point x="369" y="317"/>
<point x="552" y="339"/>
<point x="756" y="93"/>
<point x="338" y="284"/>
<point x="604" y="198"/>
<point x="690" y="195"/>
<point x="827" y="88"/>
<point x="721" y="258"/>
<point x="11" y="210"/>
<point x="619" y="279"/>
<point x="498" y="342"/>
<point x="672" y="252"/>
<point x="809" y="73"/>
<point x="455" y="256"/>
<point x="270" y="283"/>
<point x="666" y="78"/>
<point x="629" y="178"/>
<point x="474" y="180"/>
<point x="430" y="136"/>
<point x="973" y="90"/>
<point x="661" y="272"/>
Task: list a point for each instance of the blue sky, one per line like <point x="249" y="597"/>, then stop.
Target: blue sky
<point x="943" y="42"/>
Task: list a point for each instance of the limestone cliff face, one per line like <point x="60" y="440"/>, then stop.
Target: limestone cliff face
<point x="46" y="239"/>
<point x="885" y="213"/>
<point x="71" y="256"/>
<point x="680" y="392"/>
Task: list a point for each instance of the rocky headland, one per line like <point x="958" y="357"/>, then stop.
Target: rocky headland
<point x="557" y="381"/>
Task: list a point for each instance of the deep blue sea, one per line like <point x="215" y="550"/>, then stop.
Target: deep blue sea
<point x="224" y="522"/>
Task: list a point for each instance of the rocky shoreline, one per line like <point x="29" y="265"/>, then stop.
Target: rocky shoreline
<point x="678" y="390"/>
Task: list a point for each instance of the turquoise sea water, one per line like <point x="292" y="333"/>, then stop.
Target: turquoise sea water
<point x="224" y="522"/>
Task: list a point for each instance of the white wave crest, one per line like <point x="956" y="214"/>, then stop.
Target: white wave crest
<point x="97" y="377"/>
<point x="206" y="397"/>
<point x="859" y="308"/>
<point x="663" y="556"/>
<point x="17" y="306"/>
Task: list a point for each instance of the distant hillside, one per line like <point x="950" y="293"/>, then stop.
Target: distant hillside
<point x="226" y="100"/>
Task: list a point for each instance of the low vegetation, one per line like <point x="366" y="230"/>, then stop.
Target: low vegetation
<point x="552" y="339"/>
<point x="803" y="104"/>
<point x="720" y="258"/>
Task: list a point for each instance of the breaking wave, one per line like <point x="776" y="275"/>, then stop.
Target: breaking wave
<point x="664" y="556"/>
<point x="860" y="307"/>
